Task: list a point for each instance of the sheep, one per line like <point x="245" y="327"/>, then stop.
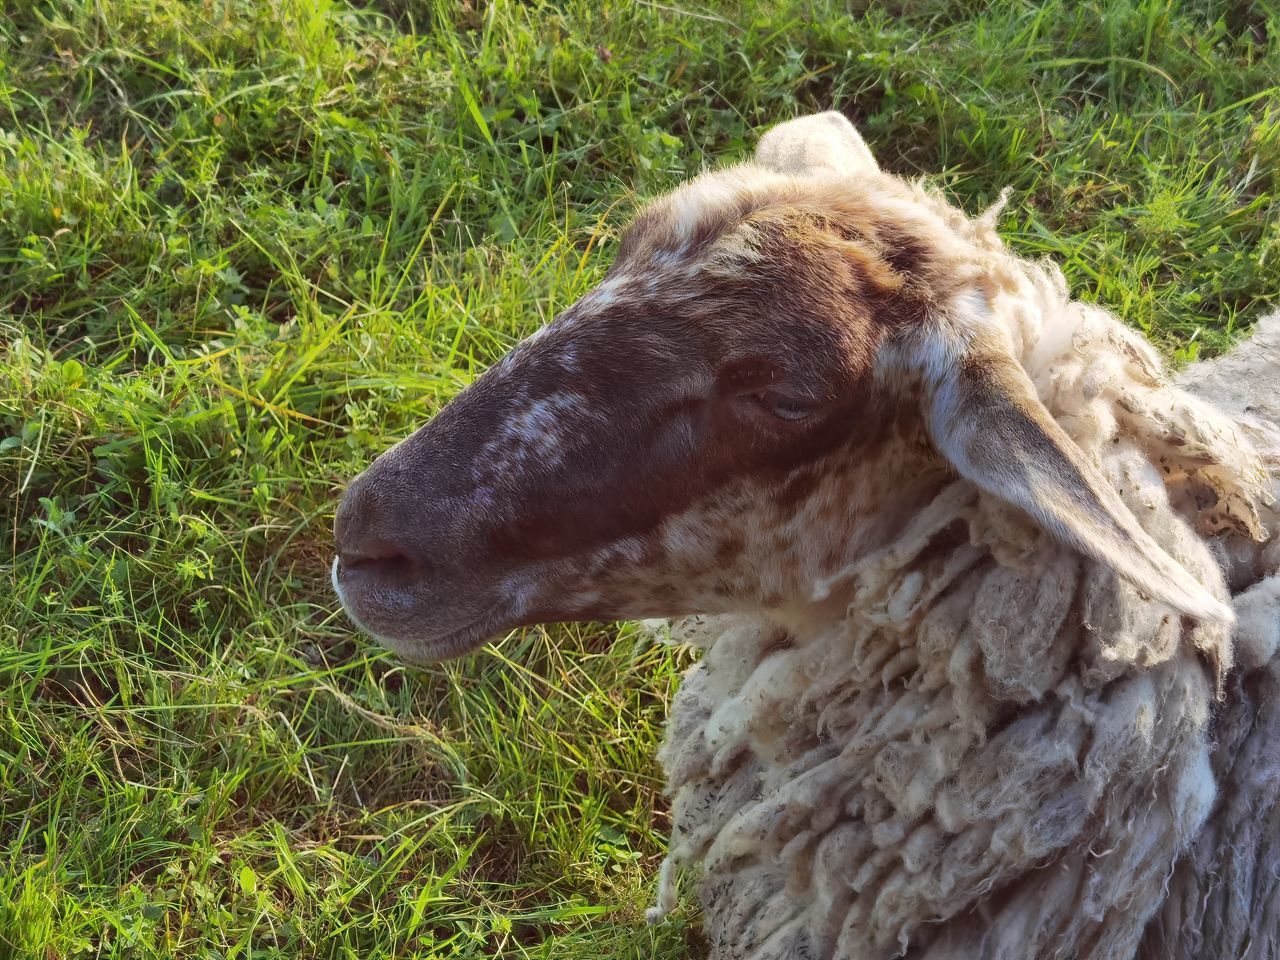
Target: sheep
<point x="989" y="604"/>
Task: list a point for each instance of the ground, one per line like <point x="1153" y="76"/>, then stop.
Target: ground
<point x="247" y="244"/>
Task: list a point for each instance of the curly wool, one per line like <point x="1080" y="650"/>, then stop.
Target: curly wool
<point x="1002" y="750"/>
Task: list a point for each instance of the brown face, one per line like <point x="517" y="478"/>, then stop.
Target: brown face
<point x="780" y="367"/>
<point x="644" y="453"/>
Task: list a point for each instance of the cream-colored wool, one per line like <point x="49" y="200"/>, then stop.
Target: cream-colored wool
<point x="1002" y="750"/>
<point x="1224" y="895"/>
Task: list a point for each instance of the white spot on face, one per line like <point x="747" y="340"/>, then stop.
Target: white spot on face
<point x="537" y="431"/>
<point x="602" y="297"/>
<point x="538" y="421"/>
<point x="683" y="539"/>
<point x="626" y="550"/>
<point x="569" y="359"/>
<point x="586" y="598"/>
<point x="520" y="592"/>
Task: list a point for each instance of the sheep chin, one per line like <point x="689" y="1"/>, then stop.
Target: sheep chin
<point x="420" y="650"/>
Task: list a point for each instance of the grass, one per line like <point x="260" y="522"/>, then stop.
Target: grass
<point x="247" y="244"/>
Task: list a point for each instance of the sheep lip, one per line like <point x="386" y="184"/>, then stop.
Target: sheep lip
<point x="449" y="646"/>
<point x="419" y="650"/>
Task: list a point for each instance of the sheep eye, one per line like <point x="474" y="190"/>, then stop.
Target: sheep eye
<point x="783" y="406"/>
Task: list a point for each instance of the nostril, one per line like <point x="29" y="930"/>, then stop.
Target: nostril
<point x="370" y="540"/>
<point x="383" y="562"/>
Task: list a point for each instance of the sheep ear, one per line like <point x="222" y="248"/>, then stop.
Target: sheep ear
<point x="986" y="419"/>
<point x="819" y="143"/>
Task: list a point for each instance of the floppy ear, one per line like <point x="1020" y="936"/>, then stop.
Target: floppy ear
<point x="986" y="419"/>
<point x="818" y="143"/>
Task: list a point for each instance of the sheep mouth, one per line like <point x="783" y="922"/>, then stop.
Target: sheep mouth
<point x="417" y="647"/>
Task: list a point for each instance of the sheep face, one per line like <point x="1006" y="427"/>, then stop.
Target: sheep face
<point x="785" y="360"/>
<point x="693" y="435"/>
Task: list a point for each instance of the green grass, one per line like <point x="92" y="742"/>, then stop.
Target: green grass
<point x="247" y="244"/>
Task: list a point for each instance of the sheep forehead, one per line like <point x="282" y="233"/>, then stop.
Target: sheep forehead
<point x="681" y="228"/>
<point x="745" y="224"/>
<point x="687" y="264"/>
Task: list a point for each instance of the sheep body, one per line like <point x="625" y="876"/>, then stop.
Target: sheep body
<point x="1002" y="749"/>
<point x="1224" y="895"/>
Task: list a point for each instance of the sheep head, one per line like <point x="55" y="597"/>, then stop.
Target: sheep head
<point x="785" y="360"/>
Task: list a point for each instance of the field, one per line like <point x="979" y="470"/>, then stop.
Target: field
<point x="247" y="244"/>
